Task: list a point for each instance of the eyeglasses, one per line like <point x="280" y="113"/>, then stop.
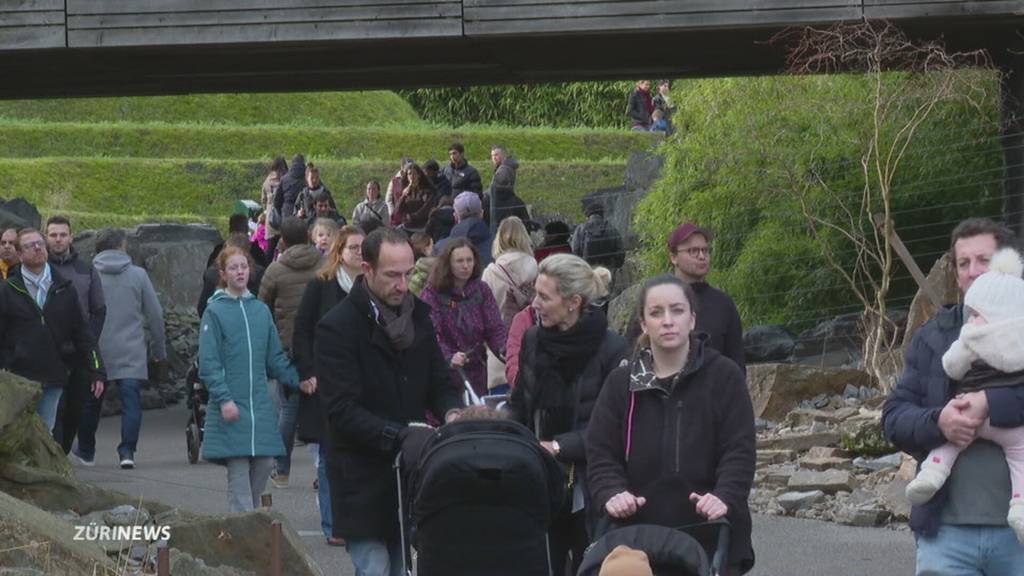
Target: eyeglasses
<point x="696" y="251"/>
<point x="37" y="245"/>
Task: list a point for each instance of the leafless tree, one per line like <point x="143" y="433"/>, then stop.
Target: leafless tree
<point x="908" y="79"/>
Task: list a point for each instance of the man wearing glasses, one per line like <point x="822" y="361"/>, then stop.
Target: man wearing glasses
<point x="41" y="317"/>
<point x="690" y="251"/>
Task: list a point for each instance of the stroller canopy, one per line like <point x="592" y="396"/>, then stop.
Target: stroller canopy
<point x="671" y="552"/>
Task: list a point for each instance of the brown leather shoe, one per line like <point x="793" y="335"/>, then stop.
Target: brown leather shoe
<point x="334" y="541"/>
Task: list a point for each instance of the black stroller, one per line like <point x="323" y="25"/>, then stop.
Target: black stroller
<point x="198" y="397"/>
<point x="479" y="499"/>
<point x="676" y="539"/>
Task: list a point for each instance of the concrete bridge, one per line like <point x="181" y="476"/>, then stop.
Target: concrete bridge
<point x="51" y="48"/>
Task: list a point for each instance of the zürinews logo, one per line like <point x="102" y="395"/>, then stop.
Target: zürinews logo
<point x="96" y="533"/>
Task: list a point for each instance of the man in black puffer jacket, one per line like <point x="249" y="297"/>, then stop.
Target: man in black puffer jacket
<point x="291" y="185"/>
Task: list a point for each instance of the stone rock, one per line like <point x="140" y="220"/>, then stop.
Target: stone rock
<point x="867" y="516"/>
<point x="851" y="391"/>
<point x="825" y="463"/>
<point x="36" y="540"/>
<point x="174" y="255"/>
<point x="843" y="334"/>
<point x="893" y="497"/>
<point x="126" y="515"/>
<point x="24" y="438"/>
<point x="827" y="452"/>
<point x="817" y="427"/>
<point x="942" y="278"/>
<point x="183" y="564"/>
<point x="806" y="417"/>
<point x="58" y="493"/>
<point x="881" y="463"/>
<point x="643" y="169"/>
<point x="622" y="318"/>
<point x="908" y="468"/>
<point x="793" y="501"/>
<point x="799" y="442"/>
<point x="828" y="481"/>
<point x="19" y="213"/>
<point x="779" y="476"/>
<point x="864" y="435"/>
<point x="775" y="456"/>
<point x="242" y="541"/>
<point x="770" y="343"/>
<point x="776" y="389"/>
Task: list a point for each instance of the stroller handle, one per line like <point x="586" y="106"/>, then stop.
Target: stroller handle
<point x="606" y="523"/>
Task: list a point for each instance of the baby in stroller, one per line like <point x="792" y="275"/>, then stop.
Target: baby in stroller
<point x="477" y="497"/>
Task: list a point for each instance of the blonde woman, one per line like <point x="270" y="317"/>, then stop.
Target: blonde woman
<point x="510" y="276"/>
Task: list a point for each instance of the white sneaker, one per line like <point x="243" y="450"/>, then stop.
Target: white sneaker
<point x="81" y="459"/>
<point x="1016" y="518"/>
<point x="127" y="463"/>
<point x="927" y="482"/>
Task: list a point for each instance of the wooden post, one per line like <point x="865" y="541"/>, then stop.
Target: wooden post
<point x="267" y="500"/>
<point x="163" y="559"/>
<point x="908" y="260"/>
<point x="275" y="548"/>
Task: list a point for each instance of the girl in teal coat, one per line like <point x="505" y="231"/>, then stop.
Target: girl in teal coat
<point x="238" y="347"/>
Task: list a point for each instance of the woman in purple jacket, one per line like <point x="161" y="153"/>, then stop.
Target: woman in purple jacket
<point x="465" y="314"/>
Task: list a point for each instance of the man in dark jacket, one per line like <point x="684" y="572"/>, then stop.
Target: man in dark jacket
<point x="503" y="188"/>
<point x="460" y="173"/>
<point x="45" y="334"/>
<point x="640" y="106"/>
<point x="379" y="368"/>
<point x="441" y="184"/>
<point x="597" y="240"/>
<point x="291" y="185"/>
<point x="922" y="413"/>
<point x="470" y="224"/>
<point x="238" y="224"/>
<point x="64" y="259"/>
<point x="8" y="251"/>
<point x="690" y="253"/>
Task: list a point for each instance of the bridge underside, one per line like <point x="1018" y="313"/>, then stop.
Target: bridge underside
<point x="441" y="60"/>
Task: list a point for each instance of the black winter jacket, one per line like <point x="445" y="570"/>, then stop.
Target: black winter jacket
<point x="318" y="299"/>
<point x="371" y="392"/>
<point x="717" y="316"/>
<point x="587" y="388"/>
<point x="287" y="194"/>
<point x="87" y="285"/>
<point x="702" y="431"/>
<point x="463" y="178"/>
<point x="43" y="345"/>
<point x="910" y="415"/>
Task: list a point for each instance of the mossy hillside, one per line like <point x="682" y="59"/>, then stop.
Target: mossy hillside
<point x="342" y="109"/>
<point x="126" y="191"/>
<point x="28" y="139"/>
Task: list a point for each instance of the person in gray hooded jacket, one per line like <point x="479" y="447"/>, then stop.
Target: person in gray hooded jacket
<point x="122" y="343"/>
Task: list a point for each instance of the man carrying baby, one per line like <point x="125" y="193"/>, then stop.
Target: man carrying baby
<point x="963" y="528"/>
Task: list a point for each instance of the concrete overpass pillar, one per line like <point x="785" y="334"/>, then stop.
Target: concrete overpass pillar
<point x="1012" y="102"/>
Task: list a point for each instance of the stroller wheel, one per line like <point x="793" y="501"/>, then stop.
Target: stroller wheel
<point x="193" y="441"/>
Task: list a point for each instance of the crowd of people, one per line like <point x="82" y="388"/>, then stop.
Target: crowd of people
<point x="347" y="336"/>
<point x="651" y="112"/>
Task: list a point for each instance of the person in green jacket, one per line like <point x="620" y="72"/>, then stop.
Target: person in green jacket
<point x="238" y="347"/>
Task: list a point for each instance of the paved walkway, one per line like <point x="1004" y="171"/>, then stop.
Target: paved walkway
<point x="785" y="547"/>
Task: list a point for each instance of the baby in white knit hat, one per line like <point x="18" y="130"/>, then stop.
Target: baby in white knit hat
<point x="989" y="353"/>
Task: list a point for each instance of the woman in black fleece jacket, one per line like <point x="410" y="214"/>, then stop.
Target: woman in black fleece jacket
<point x="679" y="412"/>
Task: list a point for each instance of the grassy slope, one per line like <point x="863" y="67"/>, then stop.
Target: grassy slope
<point x="27" y="139"/>
<point x="102" y="191"/>
<point x="313" y="109"/>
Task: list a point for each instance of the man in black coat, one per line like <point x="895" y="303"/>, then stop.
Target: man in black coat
<point x="378" y="368"/>
<point x="292" y="184"/>
<point x="462" y="176"/>
<point x="690" y="253"/>
<point x="45" y="333"/>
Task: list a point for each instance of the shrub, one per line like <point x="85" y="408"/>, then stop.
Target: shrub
<point x="562" y="105"/>
<point x="744" y="143"/>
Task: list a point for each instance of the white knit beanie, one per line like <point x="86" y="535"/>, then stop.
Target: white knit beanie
<point x="998" y="294"/>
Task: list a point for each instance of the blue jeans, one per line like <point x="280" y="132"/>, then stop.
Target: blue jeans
<point x="131" y="420"/>
<point x="959" y="550"/>
<point x="47" y="407"/>
<point x="324" y="494"/>
<point x="375" y="557"/>
<point x="287" y="418"/>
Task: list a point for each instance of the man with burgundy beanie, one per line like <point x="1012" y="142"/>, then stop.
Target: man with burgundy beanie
<point x="690" y="251"/>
